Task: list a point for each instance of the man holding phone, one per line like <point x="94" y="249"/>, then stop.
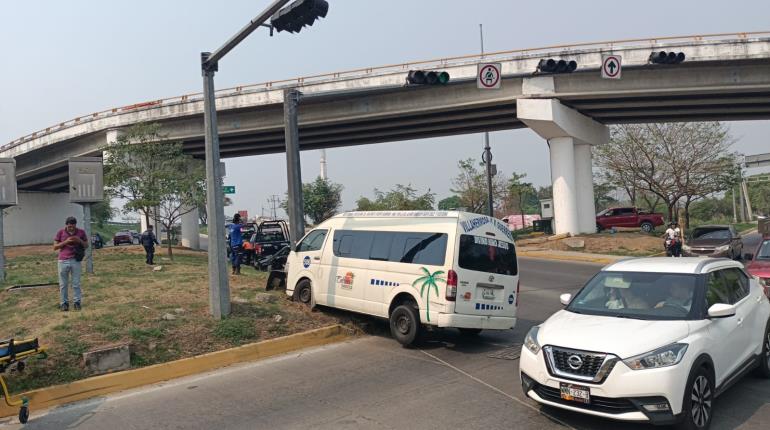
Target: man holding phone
<point x="71" y="243"/>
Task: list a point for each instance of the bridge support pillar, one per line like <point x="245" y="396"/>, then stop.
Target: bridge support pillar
<point x="191" y="230"/>
<point x="570" y="135"/>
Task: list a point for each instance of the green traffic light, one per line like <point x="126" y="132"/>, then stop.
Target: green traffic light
<point x="443" y="77"/>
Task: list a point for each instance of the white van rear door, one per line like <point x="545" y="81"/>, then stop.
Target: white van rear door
<point x="487" y="274"/>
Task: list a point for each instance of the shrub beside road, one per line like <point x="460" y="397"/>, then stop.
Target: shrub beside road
<point x="163" y="314"/>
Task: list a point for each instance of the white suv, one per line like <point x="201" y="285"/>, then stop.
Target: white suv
<point x="650" y="340"/>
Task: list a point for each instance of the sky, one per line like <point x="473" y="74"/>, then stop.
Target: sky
<point x="66" y="59"/>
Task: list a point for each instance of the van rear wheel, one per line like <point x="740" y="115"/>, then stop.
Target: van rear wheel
<point x="405" y="324"/>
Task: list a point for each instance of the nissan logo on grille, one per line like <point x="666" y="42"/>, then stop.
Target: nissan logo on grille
<point x="574" y="362"/>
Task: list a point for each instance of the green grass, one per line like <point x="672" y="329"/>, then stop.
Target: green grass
<point x="124" y="302"/>
<point x="236" y="329"/>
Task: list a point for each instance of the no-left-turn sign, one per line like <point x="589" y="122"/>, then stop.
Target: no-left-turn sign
<point x="488" y="76"/>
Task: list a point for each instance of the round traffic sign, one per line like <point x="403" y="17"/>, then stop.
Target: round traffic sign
<point x="489" y="76"/>
<point x="611" y="66"/>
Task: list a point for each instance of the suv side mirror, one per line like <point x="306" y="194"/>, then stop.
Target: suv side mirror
<point x="721" y="310"/>
<point x="748" y="256"/>
<point x="565" y="299"/>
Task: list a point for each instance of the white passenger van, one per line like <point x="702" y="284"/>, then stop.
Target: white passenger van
<point x="438" y="268"/>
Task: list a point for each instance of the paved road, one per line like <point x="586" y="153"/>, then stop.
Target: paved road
<point x="373" y="383"/>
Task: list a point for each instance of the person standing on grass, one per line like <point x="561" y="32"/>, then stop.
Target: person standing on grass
<point x="149" y="241"/>
<point x="236" y="243"/>
<point x="71" y="243"/>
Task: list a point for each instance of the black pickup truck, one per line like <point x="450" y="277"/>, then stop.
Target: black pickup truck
<point x="268" y="238"/>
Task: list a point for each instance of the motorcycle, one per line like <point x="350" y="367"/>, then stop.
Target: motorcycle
<point x="673" y="247"/>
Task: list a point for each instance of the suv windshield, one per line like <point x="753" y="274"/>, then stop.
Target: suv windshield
<point x="484" y="254"/>
<point x="639" y="295"/>
<point x="711" y="233"/>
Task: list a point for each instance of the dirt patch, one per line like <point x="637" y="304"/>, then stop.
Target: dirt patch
<point x="620" y="243"/>
<point x="162" y="315"/>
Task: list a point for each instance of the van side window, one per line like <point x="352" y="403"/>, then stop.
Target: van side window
<point x="381" y="246"/>
<point x="312" y="242"/>
<point x="422" y="248"/>
<point x="402" y="247"/>
<point x="353" y="244"/>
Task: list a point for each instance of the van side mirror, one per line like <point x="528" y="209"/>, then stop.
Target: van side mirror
<point x="565" y="299"/>
<point x="748" y="256"/>
<point x="721" y="310"/>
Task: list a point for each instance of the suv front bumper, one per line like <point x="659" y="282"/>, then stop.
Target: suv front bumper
<point x="622" y="396"/>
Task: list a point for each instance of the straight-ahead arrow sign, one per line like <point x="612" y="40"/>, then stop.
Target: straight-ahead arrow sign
<point x="611" y="66"/>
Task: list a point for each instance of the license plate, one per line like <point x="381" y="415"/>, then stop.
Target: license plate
<point x="488" y="294"/>
<point x="575" y="393"/>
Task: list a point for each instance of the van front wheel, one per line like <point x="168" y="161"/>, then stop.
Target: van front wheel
<point x="303" y="293"/>
<point x="405" y="324"/>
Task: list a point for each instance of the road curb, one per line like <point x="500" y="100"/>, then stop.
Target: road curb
<point x="583" y="258"/>
<point x="44" y="398"/>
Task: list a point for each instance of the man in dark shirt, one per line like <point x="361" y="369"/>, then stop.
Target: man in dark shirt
<point x="236" y="243"/>
<point x="149" y="241"/>
<point x="67" y="241"/>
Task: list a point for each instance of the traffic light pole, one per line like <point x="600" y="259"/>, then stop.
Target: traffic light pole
<point x="219" y="286"/>
<point x="291" y="128"/>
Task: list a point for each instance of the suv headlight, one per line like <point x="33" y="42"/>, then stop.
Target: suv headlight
<point x="669" y="355"/>
<point x="530" y="341"/>
<point x="722" y="248"/>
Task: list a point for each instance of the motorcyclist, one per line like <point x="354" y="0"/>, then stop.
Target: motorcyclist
<point x="673" y="242"/>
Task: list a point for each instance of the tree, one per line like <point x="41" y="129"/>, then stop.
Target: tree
<point x="321" y="199"/>
<point x="519" y="190"/>
<point x="602" y="197"/>
<point x="148" y="171"/>
<point x="203" y="214"/>
<point x="470" y="185"/>
<point x="450" y="203"/>
<point x="400" y="198"/>
<point x="102" y="212"/>
<point x="668" y="162"/>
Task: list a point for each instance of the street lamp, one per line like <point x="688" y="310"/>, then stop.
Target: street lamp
<point x="292" y="19"/>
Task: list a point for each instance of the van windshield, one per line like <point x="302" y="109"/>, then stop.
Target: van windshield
<point x="485" y="254"/>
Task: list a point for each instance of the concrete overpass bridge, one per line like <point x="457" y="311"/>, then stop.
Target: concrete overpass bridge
<point x="724" y="77"/>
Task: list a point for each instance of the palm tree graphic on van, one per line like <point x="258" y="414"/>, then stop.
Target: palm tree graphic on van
<point x="428" y="280"/>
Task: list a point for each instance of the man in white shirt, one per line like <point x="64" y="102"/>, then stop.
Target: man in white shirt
<point x="673" y="242"/>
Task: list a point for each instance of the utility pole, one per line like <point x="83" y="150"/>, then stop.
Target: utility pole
<point x="487" y="155"/>
<point x="274" y="200"/>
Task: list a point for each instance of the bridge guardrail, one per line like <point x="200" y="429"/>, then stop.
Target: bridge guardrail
<point x="354" y="73"/>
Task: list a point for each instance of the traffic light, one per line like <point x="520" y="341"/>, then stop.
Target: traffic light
<point x="431" y="77"/>
<point x="556" y="66"/>
<point x="299" y="14"/>
<point x="664" y="57"/>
